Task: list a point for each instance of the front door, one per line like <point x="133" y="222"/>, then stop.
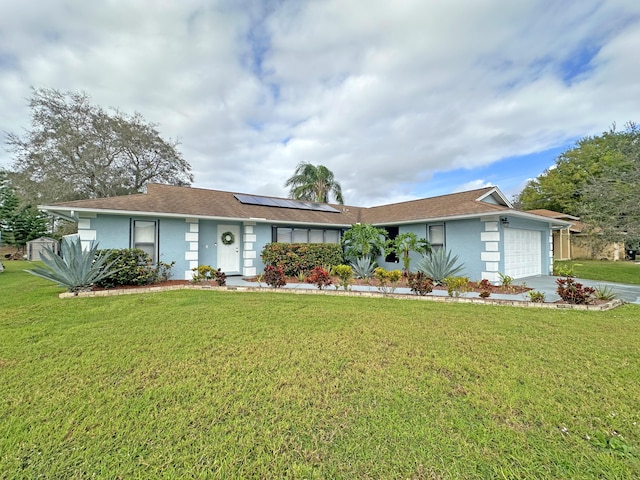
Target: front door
<point x="228" y="242"/>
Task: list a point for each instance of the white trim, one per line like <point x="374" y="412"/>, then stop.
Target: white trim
<point x="489" y="236"/>
<point x="492" y="246"/>
<point x="490" y="226"/>
<point x="84" y="223"/>
<point x="497" y="191"/>
<point x="89" y="235"/>
<point x="490" y="256"/>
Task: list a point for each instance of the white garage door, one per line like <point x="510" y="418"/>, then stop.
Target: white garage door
<point x="522" y="253"/>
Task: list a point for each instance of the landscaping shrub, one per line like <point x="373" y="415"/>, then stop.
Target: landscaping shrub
<point x="420" y="283"/>
<point x="294" y="258"/>
<point x="506" y="281"/>
<point x="457" y="286"/>
<point x="77" y="269"/>
<point x="274" y="276"/>
<point x="573" y="292"/>
<point x="561" y="269"/>
<point x="208" y="273"/>
<point x="485" y="288"/>
<point x="536" y="297"/>
<point x="320" y="277"/>
<point x="439" y="265"/>
<point x="363" y="267"/>
<point x="132" y="267"/>
<point x="604" y="293"/>
<point x="344" y="273"/>
<point x="364" y="240"/>
<point x="388" y="279"/>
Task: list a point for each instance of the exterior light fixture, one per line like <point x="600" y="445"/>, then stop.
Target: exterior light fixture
<point x="504" y="221"/>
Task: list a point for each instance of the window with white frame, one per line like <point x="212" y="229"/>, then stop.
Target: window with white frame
<point x="305" y="235"/>
<point x="435" y="235"/>
<point x="144" y="237"/>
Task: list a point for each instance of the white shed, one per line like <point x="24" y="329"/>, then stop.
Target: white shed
<point x="36" y="247"/>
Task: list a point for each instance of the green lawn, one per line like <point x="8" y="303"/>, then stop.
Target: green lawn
<point x="206" y="384"/>
<point x="621" y="271"/>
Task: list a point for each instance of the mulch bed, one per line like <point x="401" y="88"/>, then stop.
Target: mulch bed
<point x="514" y="290"/>
<point x="473" y="286"/>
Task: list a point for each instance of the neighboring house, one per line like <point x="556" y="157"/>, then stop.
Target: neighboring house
<point x="572" y="242"/>
<point x="226" y="230"/>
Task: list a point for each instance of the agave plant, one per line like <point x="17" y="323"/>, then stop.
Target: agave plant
<point x="439" y="265"/>
<point x="77" y="269"/>
<point x="363" y="267"/>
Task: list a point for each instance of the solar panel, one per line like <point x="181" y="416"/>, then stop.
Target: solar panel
<point x="283" y="203"/>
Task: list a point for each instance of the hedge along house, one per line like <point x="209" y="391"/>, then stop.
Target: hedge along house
<point x="227" y="230"/>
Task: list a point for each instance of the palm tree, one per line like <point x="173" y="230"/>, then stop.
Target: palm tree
<point x="314" y="183"/>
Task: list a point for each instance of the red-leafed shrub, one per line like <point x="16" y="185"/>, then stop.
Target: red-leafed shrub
<point x="320" y="277"/>
<point x="274" y="276"/>
<point x="573" y="292"/>
<point x="420" y="283"/>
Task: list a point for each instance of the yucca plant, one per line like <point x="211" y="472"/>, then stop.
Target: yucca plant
<point x="439" y="265"/>
<point x="363" y="267"/>
<point x="77" y="270"/>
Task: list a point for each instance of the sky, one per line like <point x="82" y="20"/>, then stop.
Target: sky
<point x="401" y="99"/>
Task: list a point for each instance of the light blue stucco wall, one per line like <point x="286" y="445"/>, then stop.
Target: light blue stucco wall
<point x="111" y="231"/>
<point x="462" y="238"/>
<point x="114" y="231"/>
<point x="173" y="244"/>
<point x="176" y="241"/>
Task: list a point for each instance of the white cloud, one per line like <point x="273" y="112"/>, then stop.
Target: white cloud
<point x="472" y="185"/>
<point x="383" y="93"/>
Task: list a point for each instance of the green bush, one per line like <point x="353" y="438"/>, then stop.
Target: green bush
<point x="439" y="265"/>
<point x="536" y="297"/>
<point x="457" y="286"/>
<point x="133" y="267"/>
<point x="363" y="267"/>
<point x="301" y="257"/>
<point x="345" y="274"/>
<point x="205" y="273"/>
<point x="388" y="279"/>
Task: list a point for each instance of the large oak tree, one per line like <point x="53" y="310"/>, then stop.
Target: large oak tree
<point x="75" y="149"/>
<point x="597" y="180"/>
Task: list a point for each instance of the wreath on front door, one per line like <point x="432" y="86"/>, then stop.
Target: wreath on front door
<point x="228" y="238"/>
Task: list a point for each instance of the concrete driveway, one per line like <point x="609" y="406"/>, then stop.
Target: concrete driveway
<point x="547" y="285"/>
